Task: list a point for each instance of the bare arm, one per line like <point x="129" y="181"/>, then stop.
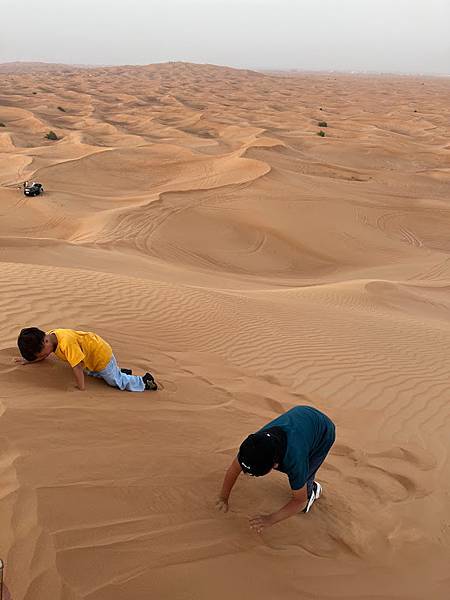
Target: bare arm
<point x="297" y="502"/>
<point x="79" y="376"/>
<point x="233" y="472"/>
<point x="299" y="498"/>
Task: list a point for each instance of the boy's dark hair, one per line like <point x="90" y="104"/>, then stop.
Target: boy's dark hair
<point x="261" y="451"/>
<point x="30" y="342"/>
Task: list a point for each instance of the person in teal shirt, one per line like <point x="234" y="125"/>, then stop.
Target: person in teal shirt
<point x="295" y="443"/>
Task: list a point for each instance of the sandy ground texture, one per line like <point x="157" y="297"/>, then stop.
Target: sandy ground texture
<point x="194" y="218"/>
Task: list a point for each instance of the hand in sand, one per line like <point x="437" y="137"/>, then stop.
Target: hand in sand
<point x="222" y="505"/>
<point x="20" y="360"/>
<point x="260" y="522"/>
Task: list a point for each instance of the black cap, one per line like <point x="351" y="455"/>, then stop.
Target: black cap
<point x="258" y="453"/>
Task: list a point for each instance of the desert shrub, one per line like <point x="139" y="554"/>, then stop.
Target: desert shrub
<point x="61" y="109"/>
<point x="322" y="124"/>
<point x="321" y="133"/>
<point x="2" y="125"/>
<point x="51" y="135"/>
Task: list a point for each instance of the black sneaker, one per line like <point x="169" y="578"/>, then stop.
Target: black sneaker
<point x="149" y="382"/>
<point x="315" y="495"/>
<point x="127" y="371"/>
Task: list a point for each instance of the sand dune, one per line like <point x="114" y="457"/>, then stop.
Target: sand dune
<point x="195" y="219"/>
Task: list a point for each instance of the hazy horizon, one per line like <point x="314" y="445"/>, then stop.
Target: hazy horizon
<point x="353" y="35"/>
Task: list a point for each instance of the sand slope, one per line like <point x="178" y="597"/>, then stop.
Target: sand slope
<point x="194" y="218"/>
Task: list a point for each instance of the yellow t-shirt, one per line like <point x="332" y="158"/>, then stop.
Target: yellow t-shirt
<point x="82" y="346"/>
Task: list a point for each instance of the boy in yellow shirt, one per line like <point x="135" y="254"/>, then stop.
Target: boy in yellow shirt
<point x="86" y="352"/>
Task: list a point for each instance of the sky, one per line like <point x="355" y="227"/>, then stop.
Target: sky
<point x="406" y="36"/>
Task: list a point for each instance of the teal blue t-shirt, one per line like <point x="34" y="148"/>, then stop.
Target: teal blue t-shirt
<point x="310" y="434"/>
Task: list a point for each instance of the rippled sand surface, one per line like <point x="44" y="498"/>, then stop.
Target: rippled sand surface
<point x="194" y="218"/>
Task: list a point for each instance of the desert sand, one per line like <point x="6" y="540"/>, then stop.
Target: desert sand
<point x="194" y="218"/>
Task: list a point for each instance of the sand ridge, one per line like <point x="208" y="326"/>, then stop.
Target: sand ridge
<point x="195" y="219"/>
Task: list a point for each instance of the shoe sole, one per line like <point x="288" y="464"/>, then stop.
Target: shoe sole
<point x="318" y="490"/>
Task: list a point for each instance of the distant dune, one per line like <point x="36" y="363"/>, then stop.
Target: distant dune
<point x="194" y="217"/>
<point x="32" y="66"/>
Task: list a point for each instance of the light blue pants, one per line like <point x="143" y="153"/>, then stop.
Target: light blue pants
<point x="114" y="377"/>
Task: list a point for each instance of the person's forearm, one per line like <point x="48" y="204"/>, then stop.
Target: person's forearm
<point x="79" y="376"/>
<point x="230" y="479"/>
<point x="31" y="362"/>
<point x="288" y="510"/>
